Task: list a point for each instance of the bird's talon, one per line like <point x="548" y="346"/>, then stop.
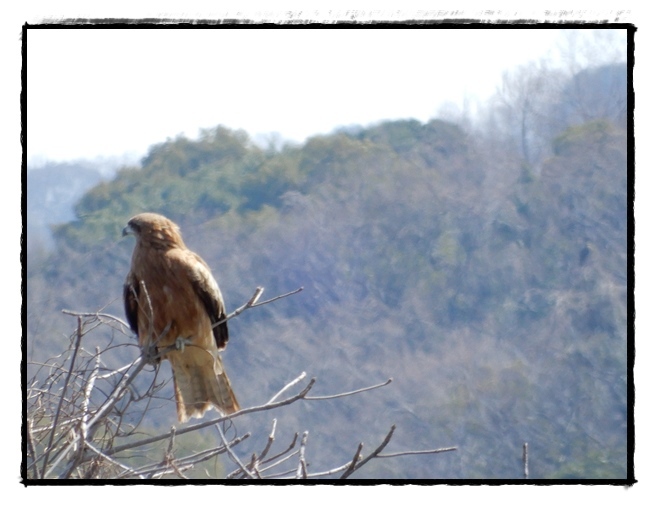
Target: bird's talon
<point x="181" y="342"/>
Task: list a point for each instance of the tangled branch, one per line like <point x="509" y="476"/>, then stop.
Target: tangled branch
<point x="87" y="420"/>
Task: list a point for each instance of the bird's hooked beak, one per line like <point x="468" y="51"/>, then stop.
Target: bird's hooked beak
<point x="128" y="230"/>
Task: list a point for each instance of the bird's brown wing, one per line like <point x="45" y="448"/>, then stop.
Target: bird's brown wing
<point x="200" y="379"/>
<point x="207" y="289"/>
<point x="131" y="301"/>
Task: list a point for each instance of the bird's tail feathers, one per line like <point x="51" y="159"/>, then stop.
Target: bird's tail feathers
<point x="200" y="384"/>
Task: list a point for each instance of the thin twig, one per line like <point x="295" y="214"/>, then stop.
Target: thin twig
<point x="97" y="315"/>
<point x="233" y="456"/>
<point x="150" y="315"/>
<point x="291" y="474"/>
<point x="107" y="458"/>
<point x="169" y="449"/>
<point x="256" y="296"/>
<point x="210" y="453"/>
<point x="329" y="472"/>
<point x="256" y="459"/>
<point x="281" y="460"/>
<point x="78" y="340"/>
<point x="356" y="458"/>
<point x="212" y="422"/>
<point x="178" y="471"/>
<point x="291" y="446"/>
<point x="349" y="393"/>
<point x="121" y="388"/>
<point x="301" y="472"/>
<point x="168" y="468"/>
<point x="252" y="303"/>
<point x="101" y="412"/>
<point x="286" y="387"/>
<point x="239" y="310"/>
<point x="415" y="453"/>
<point x="50" y="411"/>
<point x="277" y="458"/>
<point x="30" y="445"/>
<point x="276" y="298"/>
<point x="87" y="396"/>
<point x="191" y="460"/>
<point x="375" y="453"/>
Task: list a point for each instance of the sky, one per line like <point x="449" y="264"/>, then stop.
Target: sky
<point x="102" y="93"/>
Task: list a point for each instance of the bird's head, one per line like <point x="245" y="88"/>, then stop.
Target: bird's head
<point x="154" y="229"/>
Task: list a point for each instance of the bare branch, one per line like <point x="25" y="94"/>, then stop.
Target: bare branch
<point x="210" y="453"/>
<point x="256" y="296"/>
<point x="356" y="458"/>
<point x="415" y="453"/>
<point x="280" y="458"/>
<point x="87" y="397"/>
<point x="111" y="401"/>
<point x="82" y="413"/>
<point x="332" y="471"/>
<point x="371" y="456"/>
<point x="233" y="456"/>
<point x="349" y="393"/>
<point x="30" y="445"/>
<point x="301" y="473"/>
<point x="212" y="422"/>
<point x="169" y="449"/>
<point x="99" y="316"/>
<point x="178" y="471"/>
<point x="256" y="459"/>
<point x="276" y="298"/>
<point x="184" y="462"/>
<point x="289" y="385"/>
<point x="78" y="340"/>
<point x="252" y="303"/>
<point x="107" y="458"/>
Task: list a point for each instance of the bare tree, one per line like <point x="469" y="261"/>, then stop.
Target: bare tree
<point x="523" y="109"/>
<point x="595" y="64"/>
<point x="87" y="420"/>
<point x="581" y="49"/>
<point x="537" y="101"/>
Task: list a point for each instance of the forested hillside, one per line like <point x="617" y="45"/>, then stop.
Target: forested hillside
<point x="483" y="268"/>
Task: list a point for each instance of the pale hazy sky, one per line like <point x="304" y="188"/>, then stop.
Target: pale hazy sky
<point x="107" y="92"/>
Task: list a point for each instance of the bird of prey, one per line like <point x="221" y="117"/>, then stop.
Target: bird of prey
<point x="173" y="301"/>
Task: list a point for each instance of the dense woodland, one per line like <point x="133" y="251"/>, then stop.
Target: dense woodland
<point x="482" y="266"/>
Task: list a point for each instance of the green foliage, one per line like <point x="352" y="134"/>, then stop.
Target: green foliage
<point x="592" y="134"/>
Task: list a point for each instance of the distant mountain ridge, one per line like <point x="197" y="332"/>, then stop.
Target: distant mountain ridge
<point x="53" y="189"/>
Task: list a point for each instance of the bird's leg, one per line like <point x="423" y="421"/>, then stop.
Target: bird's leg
<point x="152" y="351"/>
<point x="180" y="343"/>
<point x="149" y="353"/>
